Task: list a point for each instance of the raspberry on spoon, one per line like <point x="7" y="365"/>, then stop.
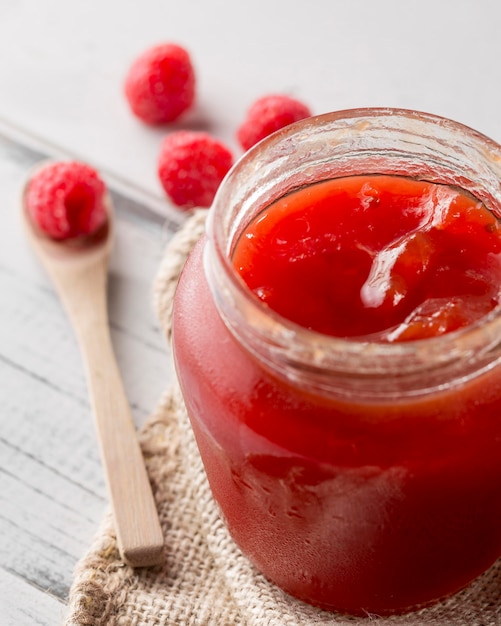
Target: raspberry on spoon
<point x="65" y="199"/>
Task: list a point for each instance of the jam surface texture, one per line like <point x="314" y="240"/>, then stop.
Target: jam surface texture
<point x="387" y="256"/>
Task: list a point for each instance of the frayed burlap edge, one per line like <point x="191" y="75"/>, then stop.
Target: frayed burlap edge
<point x="205" y="580"/>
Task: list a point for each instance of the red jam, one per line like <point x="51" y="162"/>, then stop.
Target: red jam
<point x="352" y="504"/>
<point x="385" y="255"/>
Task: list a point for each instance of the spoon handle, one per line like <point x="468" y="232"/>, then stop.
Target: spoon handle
<point x="139" y="535"/>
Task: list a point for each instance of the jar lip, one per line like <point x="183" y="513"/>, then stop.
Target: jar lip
<point x="480" y="335"/>
<point x="372" y="113"/>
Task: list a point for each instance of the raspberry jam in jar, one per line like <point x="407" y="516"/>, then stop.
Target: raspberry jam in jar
<point x="337" y="339"/>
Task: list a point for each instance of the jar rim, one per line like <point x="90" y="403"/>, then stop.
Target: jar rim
<point x="292" y="343"/>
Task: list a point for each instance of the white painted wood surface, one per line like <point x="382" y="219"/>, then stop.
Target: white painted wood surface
<point x="62" y="64"/>
<point x="52" y="491"/>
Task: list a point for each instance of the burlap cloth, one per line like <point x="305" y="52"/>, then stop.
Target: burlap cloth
<point x="205" y="580"/>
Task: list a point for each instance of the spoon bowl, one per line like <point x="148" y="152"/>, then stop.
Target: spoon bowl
<point x="78" y="268"/>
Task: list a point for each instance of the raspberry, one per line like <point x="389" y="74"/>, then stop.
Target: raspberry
<point x="191" y="166"/>
<point x="160" y="84"/>
<point x="267" y="115"/>
<point x="66" y="199"/>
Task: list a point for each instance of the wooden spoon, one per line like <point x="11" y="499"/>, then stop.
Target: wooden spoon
<point x="78" y="269"/>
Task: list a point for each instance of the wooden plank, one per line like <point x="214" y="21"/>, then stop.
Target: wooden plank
<point x="32" y="606"/>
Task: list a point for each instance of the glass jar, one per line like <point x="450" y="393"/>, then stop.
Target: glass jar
<point x="358" y="476"/>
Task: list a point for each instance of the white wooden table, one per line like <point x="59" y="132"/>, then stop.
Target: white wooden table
<point x="61" y="70"/>
<point x="52" y="493"/>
